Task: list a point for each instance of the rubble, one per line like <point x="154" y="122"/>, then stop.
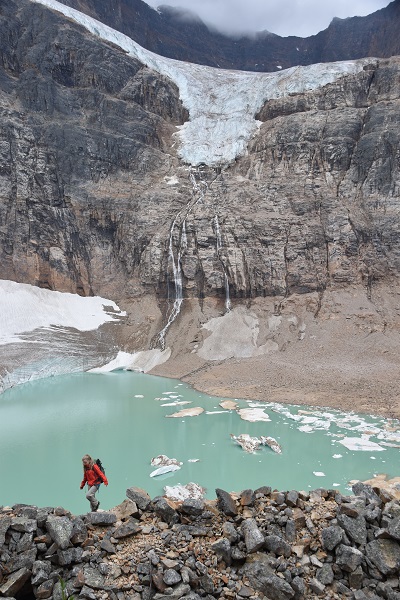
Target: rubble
<point x="263" y="543"/>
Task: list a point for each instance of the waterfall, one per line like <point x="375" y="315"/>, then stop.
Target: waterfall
<point x="199" y="190"/>
<point x="177" y="273"/>
<point x="219" y="246"/>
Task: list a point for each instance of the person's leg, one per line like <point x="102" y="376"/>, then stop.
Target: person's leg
<point x="91" y="496"/>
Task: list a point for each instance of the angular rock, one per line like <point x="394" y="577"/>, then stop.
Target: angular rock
<point x="5" y="523"/>
<point x="226" y="503"/>
<point x="23" y="524"/>
<point x="277" y="545"/>
<point x="126" y="530"/>
<point x="193" y="507"/>
<point x="171" y="577"/>
<point x="101" y="518"/>
<point x="253" y="537"/>
<point x="60" y="530"/>
<point x="139" y="497"/>
<point x="165" y="511"/>
<point x="385" y="555"/>
<point x="331" y="537"/>
<point x="262" y="578"/>
<point x="15" y="582"/>
<point x="356" y="528"/>
<point x="223" y="549"/>
<point x="348" y="558"/>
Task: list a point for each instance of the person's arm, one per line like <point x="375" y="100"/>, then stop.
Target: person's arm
<point x="100" y="474"/>
<point x="83" y="481"/>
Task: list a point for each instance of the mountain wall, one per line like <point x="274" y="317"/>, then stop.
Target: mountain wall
<point x="94" y="199"/>
<point x="170" y="34"/>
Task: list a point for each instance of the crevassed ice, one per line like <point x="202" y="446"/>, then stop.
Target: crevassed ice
<point x="222" y="104"/>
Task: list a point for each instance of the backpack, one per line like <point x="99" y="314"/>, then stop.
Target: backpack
<point x="97" y="462"/>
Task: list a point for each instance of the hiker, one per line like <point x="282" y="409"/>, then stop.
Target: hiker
<point x="93" y="477"/>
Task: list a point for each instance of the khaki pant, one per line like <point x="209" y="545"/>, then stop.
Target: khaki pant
<point x="94" y="504"/>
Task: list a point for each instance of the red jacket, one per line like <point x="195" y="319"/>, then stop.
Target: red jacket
<point x="93" y="476"/>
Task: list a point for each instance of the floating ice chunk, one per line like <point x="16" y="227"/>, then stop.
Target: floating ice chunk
<point x="318" y="474"/>
<point x="187" y="412"/>
<point x="306" y="428"/>
<point x="228" y="405"/>
<point x="138" y="396"/>
<point x="337" y="456"/>
<point x="177" y="403"/>
<point x="162" y="460"/>
<point x="193" y="460"/>
<point x="163" y="470"/>
<point x="253" y="414"/>
<point x="271" y="443"/>
<point x="215" y="412"/>
<point x="360" y="444"/>
<point x="251" y="444"/>
<point x="336" y="484"/>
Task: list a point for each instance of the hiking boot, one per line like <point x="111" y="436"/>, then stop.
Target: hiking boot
<point x="96" y="507"/>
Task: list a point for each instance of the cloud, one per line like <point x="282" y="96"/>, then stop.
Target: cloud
<point x="283" y="17"/>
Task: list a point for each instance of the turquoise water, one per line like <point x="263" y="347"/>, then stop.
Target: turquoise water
<point x="48" y="425"/>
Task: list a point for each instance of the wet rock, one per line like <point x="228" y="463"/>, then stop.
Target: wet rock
<point x="5" y="523"/>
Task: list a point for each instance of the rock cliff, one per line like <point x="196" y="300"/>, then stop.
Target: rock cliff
<point x="95" y="200"/>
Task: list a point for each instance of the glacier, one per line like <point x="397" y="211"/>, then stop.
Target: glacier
<point x="222" y="104"/>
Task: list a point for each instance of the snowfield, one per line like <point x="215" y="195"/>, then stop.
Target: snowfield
<point x="24" y="308"/>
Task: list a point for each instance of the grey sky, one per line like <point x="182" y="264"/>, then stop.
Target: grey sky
<point x="283" y="17"/>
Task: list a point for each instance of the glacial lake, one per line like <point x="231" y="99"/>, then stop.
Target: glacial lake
<point x="46" y="426"/>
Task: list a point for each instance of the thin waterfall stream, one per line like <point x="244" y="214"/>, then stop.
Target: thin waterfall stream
<point x="179" y="223"/>
<point x="219" y="247"/>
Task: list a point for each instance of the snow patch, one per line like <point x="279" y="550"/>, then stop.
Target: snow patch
<point x="139" y="361"/>
<point x="24" y="308"/>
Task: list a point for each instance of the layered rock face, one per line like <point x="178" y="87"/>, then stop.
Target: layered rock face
<point x="95" y="201"/>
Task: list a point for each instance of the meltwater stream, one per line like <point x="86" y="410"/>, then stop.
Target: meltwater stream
<point x="47" y="426"/>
